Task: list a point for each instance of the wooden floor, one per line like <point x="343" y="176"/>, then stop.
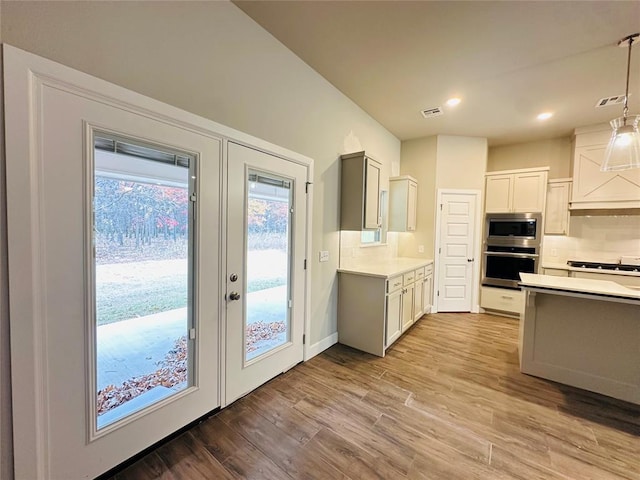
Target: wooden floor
<point x="447" y="402"/>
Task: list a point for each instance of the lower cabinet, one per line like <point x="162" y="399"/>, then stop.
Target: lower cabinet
<point x="427" y="290"/>
<point x="373" y="311"/>
<point x="394" y="317"/>
<point x="407" y="306"/>
<point x="502" y="301"/>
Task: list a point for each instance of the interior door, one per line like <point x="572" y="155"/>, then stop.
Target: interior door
<point x="456" y="260"/>
<point x="265" y="268"/>
<point x="113" y="214"/>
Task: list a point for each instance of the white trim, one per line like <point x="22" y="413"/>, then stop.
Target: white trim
<point x="321" y="346"/>
<point x="475" y="277"/>
<point x="24" y="75"/>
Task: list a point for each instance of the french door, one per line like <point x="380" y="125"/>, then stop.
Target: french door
<point x="265" y="282"/>
<point x="114" y="246"/>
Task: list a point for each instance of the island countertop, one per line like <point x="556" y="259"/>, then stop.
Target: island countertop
<point x="388" y="268"/>
<point x="603" y="289"/>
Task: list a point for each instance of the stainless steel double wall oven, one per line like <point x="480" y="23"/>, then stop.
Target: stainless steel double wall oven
<point x="512" y="245"/>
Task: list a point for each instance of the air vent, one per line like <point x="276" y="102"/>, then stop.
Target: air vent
<point x="607" y="101"/>
<point x="432" y="112"/>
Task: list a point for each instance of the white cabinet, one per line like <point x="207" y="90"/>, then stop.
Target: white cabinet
<point x="593" y="189"/>
<point x="373" y="311"/>
<point x="427" y="289"/>
<point x="407" y="307"/>
<point x="556" y="217"/>
<point x="394" y="317"/>
<point x="403" y="202"/>
<point x="502" y="301"/>
<point x="360" y="192"/>
<point x="516" y="190"/>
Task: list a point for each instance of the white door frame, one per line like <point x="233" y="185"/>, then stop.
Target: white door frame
<point x="24" y="75"/>
<point x="475" y="279"/>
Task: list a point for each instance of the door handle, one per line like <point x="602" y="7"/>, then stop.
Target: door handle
<point x="234" y="296"/>
<point x="470" y="260"/>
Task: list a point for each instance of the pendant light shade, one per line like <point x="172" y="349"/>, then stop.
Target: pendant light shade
<point x="623" y="150"/>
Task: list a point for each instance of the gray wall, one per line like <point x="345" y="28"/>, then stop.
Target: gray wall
<point x="211" y="59"/>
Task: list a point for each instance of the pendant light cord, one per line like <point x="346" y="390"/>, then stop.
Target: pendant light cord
<point x="626" y="93"/>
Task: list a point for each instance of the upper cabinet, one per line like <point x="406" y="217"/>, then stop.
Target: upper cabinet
<point x="516" y="190"/>
<point x="360" y="192"/>
<point x="593" y="189"/>
<point x="556" y="218"/>
<point x="403" y="203"/>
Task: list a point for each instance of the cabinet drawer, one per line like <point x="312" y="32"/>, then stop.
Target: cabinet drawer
<point x="409" y="278"/>
<point x="428" y="269"/>
<point x="394" y="283"/>
<point x="419" y="274"/>
<point x="502" y="299"/>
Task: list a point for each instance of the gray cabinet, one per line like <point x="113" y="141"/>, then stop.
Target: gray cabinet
<point x="403" y="199"/>
<point x="374" y="310"/>
<point x="359" y="192"/>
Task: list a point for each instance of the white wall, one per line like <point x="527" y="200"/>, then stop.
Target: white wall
<point x="418" y="158"/>
<point x="440" y="162"/>
<point x="211" y="59"/>
<point x="554" y="153"/>
<point x="462" y="162"/>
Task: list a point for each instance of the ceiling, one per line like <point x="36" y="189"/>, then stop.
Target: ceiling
<point x="507" y="61"/>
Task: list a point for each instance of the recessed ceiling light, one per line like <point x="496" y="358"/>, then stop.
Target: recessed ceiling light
<point x="452" y="102"/>
<point x="545" y="116"/>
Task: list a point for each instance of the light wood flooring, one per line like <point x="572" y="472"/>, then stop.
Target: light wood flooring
<point x="447" y="402"/>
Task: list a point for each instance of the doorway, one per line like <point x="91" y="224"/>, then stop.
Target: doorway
<point x="457" y="251"/>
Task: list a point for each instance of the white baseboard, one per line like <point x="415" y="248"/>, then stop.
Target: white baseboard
<point x="320" y="346"/>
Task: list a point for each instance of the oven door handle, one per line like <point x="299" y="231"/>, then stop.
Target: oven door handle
<point x="512" y="255"/>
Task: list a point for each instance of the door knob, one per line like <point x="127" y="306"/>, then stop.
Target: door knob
<point x="234" y="296"/>
<point x="470" y="259"/>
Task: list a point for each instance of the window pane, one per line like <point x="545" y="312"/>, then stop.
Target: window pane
<point x="142" y="267"/>
<point x="267" y="324"/>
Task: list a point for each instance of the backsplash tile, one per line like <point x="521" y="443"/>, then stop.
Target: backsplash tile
<point x="352" y="253"/>
<point x="595" y="238"/>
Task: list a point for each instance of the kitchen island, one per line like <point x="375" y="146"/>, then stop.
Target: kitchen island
<point x="582" y="332"/>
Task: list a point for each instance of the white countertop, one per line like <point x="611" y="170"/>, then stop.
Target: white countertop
<point x="387" y="268"/>
<point x="603" y="288"/>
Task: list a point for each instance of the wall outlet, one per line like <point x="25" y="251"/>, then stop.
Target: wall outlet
<point x="324" y="255"/>
<point x="420" y="248"/>
<point x="554" y="252"/>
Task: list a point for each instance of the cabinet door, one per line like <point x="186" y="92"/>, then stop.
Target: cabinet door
<point x="428" y="289"/>
<point x="407" y="307"/>
<point x="418" y="300"/>
<point x="498" y="193"/>
<point x="529" y="191"/>
<point x="394" y="315"/>
<point x="556" y="218"/>
<point x="412" y="202"/>
<point x="372" y="195"/>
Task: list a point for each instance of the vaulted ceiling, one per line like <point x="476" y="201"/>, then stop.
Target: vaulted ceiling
<point x="507" y="61"/>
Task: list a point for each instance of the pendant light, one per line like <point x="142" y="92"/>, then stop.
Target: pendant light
<point x="623" y="151"/>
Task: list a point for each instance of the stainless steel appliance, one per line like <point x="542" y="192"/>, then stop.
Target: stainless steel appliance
<point x="512" y="246"/>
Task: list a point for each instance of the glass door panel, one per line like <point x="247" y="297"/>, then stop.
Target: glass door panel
<point x="267" y="322"/>
<point x="142" y="271"/>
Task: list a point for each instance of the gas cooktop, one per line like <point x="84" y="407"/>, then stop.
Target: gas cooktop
<point x="604" y="266"/>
